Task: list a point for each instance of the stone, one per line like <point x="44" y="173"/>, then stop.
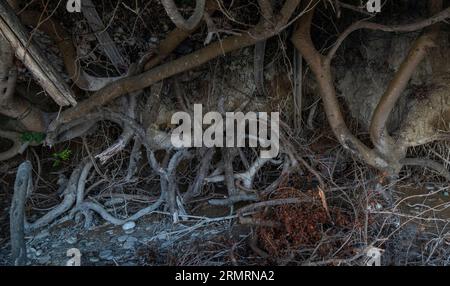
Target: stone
<point x="122" y="238"/>
<point x="72" y="240"/>
<point x="130" y="243"/>
<point x="106" y="255"/>
<point x="94" y="259"/>
<point x="129" y="226"/>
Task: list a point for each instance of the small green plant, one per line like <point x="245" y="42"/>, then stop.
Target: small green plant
<point x="32" y="137"/>
<point x="62" y="156"/>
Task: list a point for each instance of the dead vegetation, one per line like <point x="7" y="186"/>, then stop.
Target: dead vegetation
<point x="100" y="149"/>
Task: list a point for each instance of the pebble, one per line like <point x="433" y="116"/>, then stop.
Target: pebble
<point x="130" y="243"/>
<point x="94" y="259"/>
<point x="106" y="255"/>
<point x="71" y="240"/>
<point x="122" y="238"/>
<point x="91" y="243"/>
<point x="129" y="227"/>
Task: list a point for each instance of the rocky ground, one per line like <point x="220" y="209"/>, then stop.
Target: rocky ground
<point x="149" y="242"/>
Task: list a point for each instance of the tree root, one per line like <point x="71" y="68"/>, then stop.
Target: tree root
<point x="88" y="206"/>
<point x="427" y="163"/>
<point x="22" y="187"/>
<point x="195" y="59"/>
<point x="70" y="195"/>
<point x="231" y="200"/>
<point x="17" y="147"/>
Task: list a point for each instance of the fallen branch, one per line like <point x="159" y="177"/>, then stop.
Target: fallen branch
<point x="33" y="58"/>
<point x="65" y="45"/>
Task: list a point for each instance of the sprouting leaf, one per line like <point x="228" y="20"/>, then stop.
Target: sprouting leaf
<point x="33" y="137"/>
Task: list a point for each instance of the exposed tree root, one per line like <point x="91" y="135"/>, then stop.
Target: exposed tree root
<point x="195" y="59"/>
<point x="70" y="196"/>
<point x="15" y="149"/>
<point x="427" y="163"/>
<point x="22" y="188"/>
<point x="388" y="152"/>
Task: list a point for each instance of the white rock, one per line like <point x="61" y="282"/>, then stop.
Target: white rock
<point x="129" y="226"/>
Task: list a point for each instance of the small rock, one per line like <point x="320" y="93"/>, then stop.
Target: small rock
<point x="72" y="240"/>
<point x="94" y="259"/>
<point x="106" y="255"/>
<point x="129" y="227"/>
<point x="130" y="243"/>
<point x="122" y="238"/>
<point x="90" y="244"/>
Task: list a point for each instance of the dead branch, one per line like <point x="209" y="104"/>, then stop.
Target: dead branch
<point x="65" y="45"/>
<point x="10" y="105"/>
<point x="28" y="52"/>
